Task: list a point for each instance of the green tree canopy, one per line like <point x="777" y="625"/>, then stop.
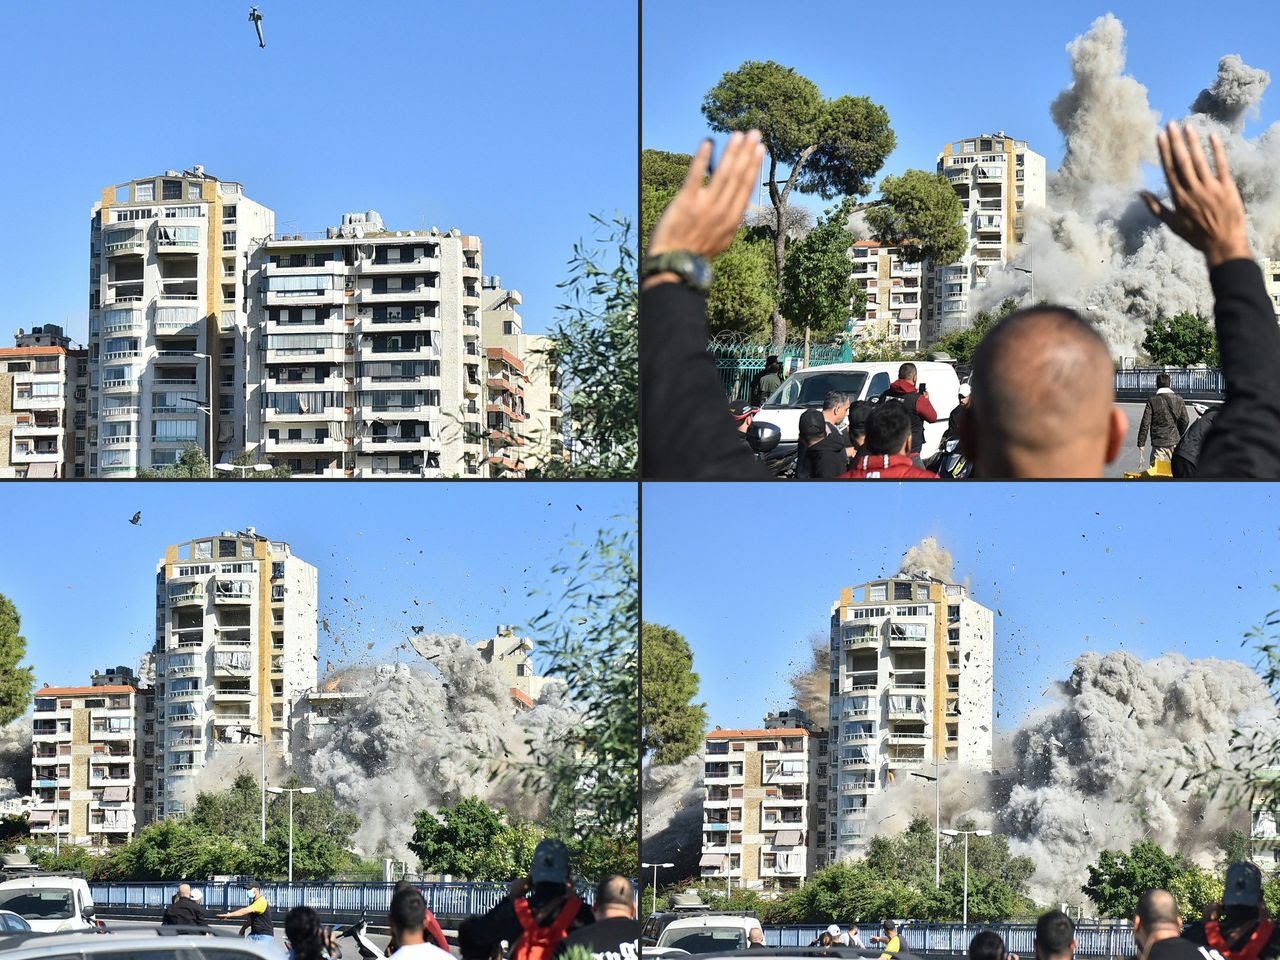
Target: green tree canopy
<point x="961" y="344"/>
<point x="673" y="722"/>
<point x="1118" y="878"/>
<point x="818" y="287"/>
<point x="473" y="840"/>
<point x="194" y="465"/>
<point x="661" y="174"/>
<point x="595" y="340"/>
<point x="831" y="147"/>
<point x="743" y="293"/>
<point x="16" y="682"/>
<point x="1182" y="340"/>
<point x="920" y="214"/>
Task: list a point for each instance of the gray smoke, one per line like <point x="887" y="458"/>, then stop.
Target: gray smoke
<point x="1112" y="759"/>
<point x="424" y="736"/>
<point x="672" y="827"/>
<point x="15" y="758"/>
<point x="931" y="557"/>
<point x="1094" y="246"/>
<point x="811" y="686"/>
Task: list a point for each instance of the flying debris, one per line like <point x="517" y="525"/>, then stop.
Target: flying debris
<point x="255" y="18"/>
<point x="417" y="630"/>
<point x="136" y="519"/>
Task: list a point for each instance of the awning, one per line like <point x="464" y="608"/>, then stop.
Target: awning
<point x="786" y="838"/>
<point x="115" y="794"/>
<point x="42" y="470"/>
<point x="41" y="816"/>
<point x="906" y="315"/>
<point x="712" y="860"/>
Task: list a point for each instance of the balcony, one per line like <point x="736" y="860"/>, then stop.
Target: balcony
<point x="136" y="244"/>
<point x="863" y="736"/>
<point x="908" y="637"/>
<point x="379" y="445"/>
<point x="856" y="763"/>
<point x="117" y="413"/>
<point x="232" y="695"/>
<point x="232" y="592"/>
<point x="417" y="265"/>
<point x="300" y="446"/>
<point x="420" y="292"/>
<point x="857" y="786"/>
<point x="109" y="732"/>
<point x="119" y="386"/>
<point x="185" y="598"/>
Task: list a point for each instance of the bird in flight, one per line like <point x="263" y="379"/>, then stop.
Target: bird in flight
<point x="256" y="18"/>
<point x="136" y="519"/>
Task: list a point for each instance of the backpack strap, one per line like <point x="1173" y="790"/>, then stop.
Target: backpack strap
<point x="524" y="914"/>
<point x="560" y="928"/>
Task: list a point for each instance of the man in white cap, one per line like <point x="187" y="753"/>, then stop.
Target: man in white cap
<point x="837" y="935"/>
<point x="959" y="412"/>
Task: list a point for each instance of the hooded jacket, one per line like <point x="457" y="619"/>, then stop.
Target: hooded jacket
<point x="919" y="409"/>
<point x="1165" y="417"/>
<point x="896" y="466"/>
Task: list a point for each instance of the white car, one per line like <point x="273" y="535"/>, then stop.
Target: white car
<point x="50" y="903"/>
<point x="135" y="945"/>
<point x="807" y="388"/>
<point x="709" y="933"/>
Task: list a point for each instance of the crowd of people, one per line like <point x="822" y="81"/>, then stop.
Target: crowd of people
<point x="541" y="918"/>
<point x="1237" y="927"/>
<point x="1043" y="398"/>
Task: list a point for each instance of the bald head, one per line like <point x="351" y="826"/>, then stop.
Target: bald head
<point x="1157" y="908"/>
<point x="615" y="897"/>
<point x="184" y="890"/>
<point x="1045" y="406"/>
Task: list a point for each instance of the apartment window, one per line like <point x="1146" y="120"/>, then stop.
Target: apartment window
<point x="228" y="268"/>
<point x="229" y="214"/>
<point x="229" y="294"/>
<point x="880" y="592"/>
<point x="228" y="239"/>
<point x="508" y="327"/>
<point x="902" y="591"/>
<point x="226" y="549"/>
<point x="144" y="192"/>
<point x="171" y="190"/>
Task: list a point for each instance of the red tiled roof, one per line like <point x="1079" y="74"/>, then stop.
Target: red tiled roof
<point x="80" y="691"/>
<point x="749" y="734"/>
<point x="29" y="351"/>
<point x="521" y="697"/>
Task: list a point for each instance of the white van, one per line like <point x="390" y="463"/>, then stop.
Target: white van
<point x="862" y="381"/>
<point x="711" y="933"/>
<point x="50" y="903"/>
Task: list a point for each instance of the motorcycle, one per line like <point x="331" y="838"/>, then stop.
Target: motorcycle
<point x="764" y="439"/>
<point x="358" y="932"/>
<point x="949" y="462"/>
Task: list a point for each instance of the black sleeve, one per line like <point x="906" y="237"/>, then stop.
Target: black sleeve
<point x="686" y="430"/>
<point x="1244" y="440"/>
<point x="477" y="936"/>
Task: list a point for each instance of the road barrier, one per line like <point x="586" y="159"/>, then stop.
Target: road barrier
<point x="1102" y="940"/>
<point x="1191" y="383"/>
<point x="374" y="899"/>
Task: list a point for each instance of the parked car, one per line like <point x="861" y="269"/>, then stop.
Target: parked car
<point x="50" y="903"/>
<point x="135" y="944"/>
<point x="710" y="933"/>
<point x="862" y="381"/>
<point x="11" y="922"/>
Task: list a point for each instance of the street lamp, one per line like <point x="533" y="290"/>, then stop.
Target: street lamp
<point x="665" y="866"/>
<point x="291" y="791"/>
<point x="967" y="834"/>
<point x="244" y="469"/>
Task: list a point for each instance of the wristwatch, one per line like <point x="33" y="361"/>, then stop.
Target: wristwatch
<point x="692" y="269"/>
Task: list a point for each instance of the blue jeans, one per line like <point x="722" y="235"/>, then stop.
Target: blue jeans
<point x="261" y="937"/>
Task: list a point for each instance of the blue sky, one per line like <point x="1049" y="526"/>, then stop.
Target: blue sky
<point x="944" y="71"/>
<point x="512" y="121"/>
<point x="748" y="572"/>
<point x="83" y="579"/>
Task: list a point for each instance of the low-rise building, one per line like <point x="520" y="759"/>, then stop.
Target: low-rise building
<point x="43" y="406"/>
<point x="895" y="295"/>
<point x="512" y="656"/>
<point x="761" y="808"/>
<point x="84" y="764"/>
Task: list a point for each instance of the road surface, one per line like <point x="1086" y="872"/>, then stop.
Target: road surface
<point x="349" y="951"/>
<point x="1128" y="459"/>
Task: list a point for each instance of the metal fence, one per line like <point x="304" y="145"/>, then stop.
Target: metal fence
<point x="1092" y="941"/>
<point x="443" y="899"/>
<point x="740" y="361"/>
<point x="1195" y="383"/>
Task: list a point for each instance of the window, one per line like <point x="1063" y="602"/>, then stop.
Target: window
<point x="879" y="592"/>
<point x="228" y="239"/>
<point x="229" y="214"/>
<point x="173" y="431"/>
<point x="144" y="192"/>
<point x="902" y="591"/>
<point x="508" y="327"/>
<point x="229" y="294"/>
<point x="195" y="191"/>
<point x="228" y="268"/>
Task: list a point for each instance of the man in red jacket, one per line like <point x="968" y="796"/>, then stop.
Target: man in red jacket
<point x="888" y="446"/>
<point x="902" y="392"/>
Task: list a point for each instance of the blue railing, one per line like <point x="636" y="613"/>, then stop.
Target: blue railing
<point x="444" y="899"/>
<point x="1092" y="941"/>
<point x="1193" y="383"/>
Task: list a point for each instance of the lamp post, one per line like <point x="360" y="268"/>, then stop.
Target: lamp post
<point x="967" y="834"/>
<point x="206" y="408"/>
<point x="291" y="791"/>
<point x="244" y="469"/>
<point x="655" y="866"/>
<point x="937" y="818"/>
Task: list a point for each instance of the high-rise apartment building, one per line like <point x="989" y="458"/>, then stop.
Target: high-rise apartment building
<point x="1271" y="277"/>
<point x="997" y="180"/>
<point x="511" y="654"/>
<point x="235" y="652"/>
<point x="169" y="307"/>
<point x="762" y="806"/>
<point x="911" y="688"/>
<point x="524" y="399"/>
<point x="42" y="406"/>
<point x="368" y="359"/>
<point x="84" y="763"/>
<point x="895" y="295"/>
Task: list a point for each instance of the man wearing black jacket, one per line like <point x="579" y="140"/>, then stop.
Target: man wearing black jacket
<point x="184" y="910"/>
<point x="687" y="431"/>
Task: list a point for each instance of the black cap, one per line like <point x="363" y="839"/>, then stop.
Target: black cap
<point x="550" y="862"/>
<point x="740" y="410"/>
<point x="812" y="423"/>
<point x="1243" y="886"/>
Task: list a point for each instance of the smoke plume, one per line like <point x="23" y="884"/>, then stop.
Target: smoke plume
<point x="810" y="687"/>
<point x="1095" y="246"/>
<point x="424" y="736"/>
<point x="1111" y="760"/>
<point x="929" y="557"/>
<point x="15" y="759"/>
<point x="672" y="827"/>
